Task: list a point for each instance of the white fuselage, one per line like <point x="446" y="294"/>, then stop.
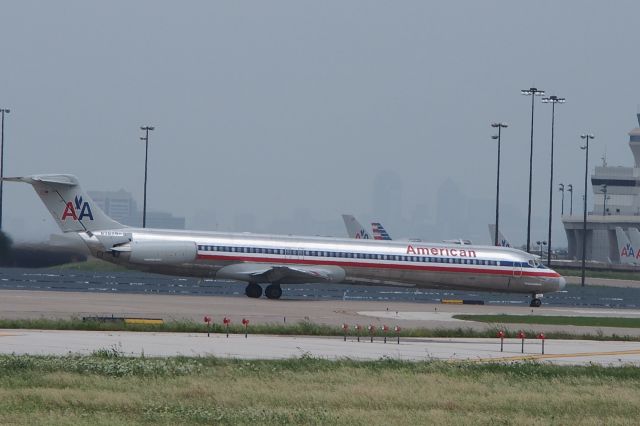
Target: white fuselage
<point x="370" y="262"/>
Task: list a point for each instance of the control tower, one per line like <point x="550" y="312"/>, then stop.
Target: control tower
<point x="616" y="204"/>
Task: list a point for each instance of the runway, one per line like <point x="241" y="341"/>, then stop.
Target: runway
<point x="571" y="352"/>
<point x="52" y="304"/>
<point x="17" y="304"/>
<point x="603" y="293"/>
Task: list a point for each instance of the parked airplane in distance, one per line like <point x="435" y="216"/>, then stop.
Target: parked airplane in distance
<point x="379" y="233"/>
<point x="274" y="260"/>
<point x="356" y="230"/>
<point x="628" y="247"/>
<point x="503" y="242"/>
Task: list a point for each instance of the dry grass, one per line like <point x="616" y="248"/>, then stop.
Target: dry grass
<point x="317" y="392"/>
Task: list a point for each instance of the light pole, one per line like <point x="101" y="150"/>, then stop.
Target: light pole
<point x="561" y="189"/>
<point x="3" y="111"/>
<point x="586" y="137"/>
<point x="533" y="92"/>
<point x="570" y="189"/>
<point x="553" y="100"/>
<point x="500" y="126"/>
<point x="603" y="189"/>
<point x="540" y="244"/>
<point x="145" y="138"/>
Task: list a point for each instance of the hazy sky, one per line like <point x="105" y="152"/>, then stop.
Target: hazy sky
<point x="273" y="107"/>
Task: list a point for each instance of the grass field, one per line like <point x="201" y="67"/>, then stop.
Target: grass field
<point x="556" y="320"/>
<point x="307" y="328"/>
<point x="106" y="389"/>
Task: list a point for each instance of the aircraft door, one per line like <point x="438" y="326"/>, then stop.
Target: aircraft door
<point x="517" y="269"/>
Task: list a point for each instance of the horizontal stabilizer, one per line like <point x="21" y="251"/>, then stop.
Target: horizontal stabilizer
<point x="55" y="179"/>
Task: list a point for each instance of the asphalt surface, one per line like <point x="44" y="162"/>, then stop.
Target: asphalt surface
<point x="603" y="293"/>
<point x="65" y="305"/>
<point x="28" y="294"/>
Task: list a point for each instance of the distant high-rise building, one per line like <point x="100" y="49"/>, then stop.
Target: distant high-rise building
<point x="387" y="197"/>
<point x="120" y="206"/>
<point x="451" y="210"/>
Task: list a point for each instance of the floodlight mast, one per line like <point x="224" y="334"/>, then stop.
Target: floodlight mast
<point x="533" y="92"/>
<point x="145" y="138"/>
<point x="499" y="126"/>
<point x="553" y="100"/>
<point x="3" y="111"/>
<point x="585" y="136"/>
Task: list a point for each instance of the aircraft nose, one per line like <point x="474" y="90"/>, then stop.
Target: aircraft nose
<point x="561" y="283"/>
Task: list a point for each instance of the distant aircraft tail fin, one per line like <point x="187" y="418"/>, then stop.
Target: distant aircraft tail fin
<point x="379" y="233"/>
<point x="632" y="253"/>
<point x="626" y="250"/>
<point x="71" y="207"/>
<point x="502" y="241"/>
<point x="354" y="228"/>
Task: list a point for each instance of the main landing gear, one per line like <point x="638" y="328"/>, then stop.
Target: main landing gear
<point x="535" y="301"/>
<point x="253" y="290"/>
<point x="273" y="291"/>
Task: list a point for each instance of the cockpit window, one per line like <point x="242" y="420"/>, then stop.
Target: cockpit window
<point x="535" y="263"/>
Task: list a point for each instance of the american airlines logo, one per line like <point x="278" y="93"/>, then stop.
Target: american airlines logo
<point x="440" y="251"/>
<point x="362" y="235"/>
<point x="504" y="243"/>
<point x="77" y="211"/>
<point x="628" y="251"/>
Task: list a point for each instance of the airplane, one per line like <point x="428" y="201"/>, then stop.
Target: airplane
<point x="634" y="237"/>
<point x="356" y="230"/>
<point x="379" y="233"/>
<point x="503" y="241"/>
<point x="274" y="260"/>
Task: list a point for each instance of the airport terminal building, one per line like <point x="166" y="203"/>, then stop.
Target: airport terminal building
<point x="616" y="195"/>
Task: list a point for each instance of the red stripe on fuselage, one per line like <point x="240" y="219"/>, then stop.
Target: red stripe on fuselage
<point x="462" y="268"/>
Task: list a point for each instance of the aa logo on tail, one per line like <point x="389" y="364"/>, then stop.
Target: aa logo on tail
<point x="362" y="234"/>
<point x="627" y="251"/>
<point x="78" y="211"/>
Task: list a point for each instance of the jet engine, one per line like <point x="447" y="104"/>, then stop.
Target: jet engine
<point x="160" y="252"/>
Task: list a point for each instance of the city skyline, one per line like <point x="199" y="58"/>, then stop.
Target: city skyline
<point x="273" y="110"/>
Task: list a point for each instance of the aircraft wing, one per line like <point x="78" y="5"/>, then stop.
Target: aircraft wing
<point x="281" y="274"/>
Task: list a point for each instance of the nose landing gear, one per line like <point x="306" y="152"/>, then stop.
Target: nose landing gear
<point x="535" y="301"/>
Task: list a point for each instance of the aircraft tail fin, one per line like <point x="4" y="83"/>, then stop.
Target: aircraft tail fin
<point x="71" y="207"/>
<point x="379" y="233"/>
<point x="354" y="228"/>
<point x="502" y="241"/>
<point x="626" y="250"/>
<point x="633" y="253"/>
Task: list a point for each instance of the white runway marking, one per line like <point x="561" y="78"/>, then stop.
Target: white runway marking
<point x="412" y="316"/>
